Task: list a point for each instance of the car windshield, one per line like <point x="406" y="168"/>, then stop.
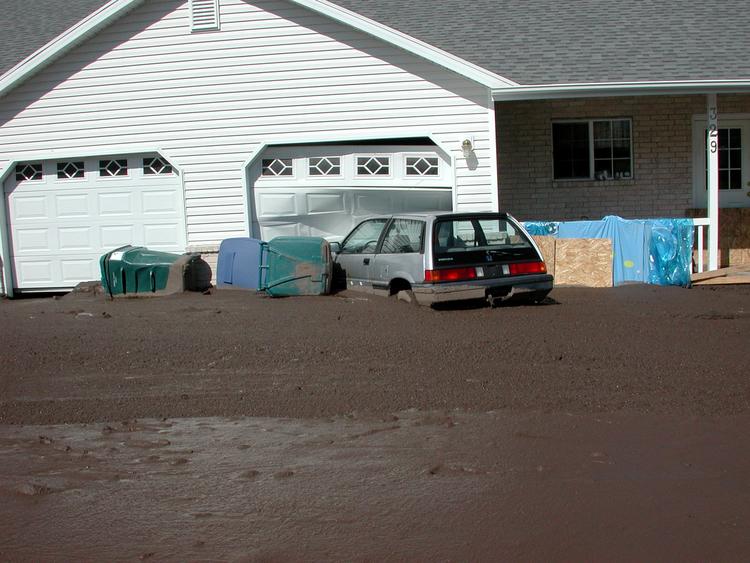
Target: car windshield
<point x="496" y="238"/>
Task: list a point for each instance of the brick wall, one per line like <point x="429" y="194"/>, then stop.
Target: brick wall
<point x="662" y="155"/>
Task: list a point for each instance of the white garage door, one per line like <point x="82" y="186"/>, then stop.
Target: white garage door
<point x="324" y="190"/>
<point x="63" y="215"/>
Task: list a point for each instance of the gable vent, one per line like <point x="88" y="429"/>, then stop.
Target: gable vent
<point x="204" y="15"/>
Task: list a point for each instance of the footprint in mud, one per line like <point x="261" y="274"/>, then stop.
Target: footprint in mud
<point x="373" y="431"/>
<point x="33" y="490"/>
<point x="435" y="420"/>
<point x="285" y="474"/>
<point x="442" y="469"/>
<point x="146" y="444"/>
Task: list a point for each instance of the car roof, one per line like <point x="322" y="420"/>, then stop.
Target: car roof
<point x="444" y="214"/>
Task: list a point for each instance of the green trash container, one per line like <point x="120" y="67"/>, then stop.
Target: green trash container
<point x="296" y="266"/>
<point x="138" y="271"/>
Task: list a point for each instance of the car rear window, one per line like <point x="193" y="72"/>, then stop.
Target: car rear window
<point x="480" y="239"/>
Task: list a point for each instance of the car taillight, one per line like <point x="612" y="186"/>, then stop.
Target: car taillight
<point x="450" y="275"/>
<point x="528" y="268"/>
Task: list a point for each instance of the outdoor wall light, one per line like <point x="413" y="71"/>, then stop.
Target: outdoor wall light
<point x="467" y="147"/>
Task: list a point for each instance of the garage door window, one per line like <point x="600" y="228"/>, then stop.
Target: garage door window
<point x="422" y="166"/>
<point x="325" y="166"/>
<point x="28" y="172"/>
<point x="373" y="166"/>
<point x="115" y="167"/>
<point x="278" y="167"/>
<point x="154" y="166"/>
<point x="70" y="170"/>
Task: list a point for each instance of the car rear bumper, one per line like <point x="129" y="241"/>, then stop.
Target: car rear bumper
<point x="427" y="294"/>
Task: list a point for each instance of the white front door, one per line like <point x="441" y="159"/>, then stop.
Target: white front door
<point x="734" y="162"/>
<point x="63" y="215"/>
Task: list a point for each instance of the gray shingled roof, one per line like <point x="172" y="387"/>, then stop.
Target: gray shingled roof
<point x="528" y="41"/>
<point x="569" y="41"/>
<point x="27" y="25"/>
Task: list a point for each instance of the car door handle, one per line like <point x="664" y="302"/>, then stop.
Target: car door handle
<point x="366" y="261"/>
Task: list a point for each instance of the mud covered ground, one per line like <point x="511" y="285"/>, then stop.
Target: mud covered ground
<point x="607" y="424"/>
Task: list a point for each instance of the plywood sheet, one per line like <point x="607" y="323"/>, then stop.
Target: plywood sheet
<point x="547" y="247"/>
<point x="583" y="262"/>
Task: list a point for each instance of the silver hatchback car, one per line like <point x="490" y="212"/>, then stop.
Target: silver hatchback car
<point x="442" y="256"/>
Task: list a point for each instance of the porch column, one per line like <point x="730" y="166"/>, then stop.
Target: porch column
<point x="712" y="161"/>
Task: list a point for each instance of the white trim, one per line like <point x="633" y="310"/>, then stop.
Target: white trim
<point x="494" y="174"/>
<point x="602" y="89"/>
<point x="6" y="272"/>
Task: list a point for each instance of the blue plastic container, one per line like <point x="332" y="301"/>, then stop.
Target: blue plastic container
<point x="239" y="265"/>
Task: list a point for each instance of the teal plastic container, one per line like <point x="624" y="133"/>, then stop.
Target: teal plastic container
<point x="136" y="270"/>
<point x="296" y="266"/>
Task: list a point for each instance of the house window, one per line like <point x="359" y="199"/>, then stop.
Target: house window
<point x="156" y="166"/>
<point x="69" y="170"/>
<point x="730" y="159"/>
<point x="421" y="166"/>
<point x="277" y="167"/>
<point x="204" y="15"/>
<point x="115" y="167"/>
<point x="373" y="165"/>
<point x="598" y="149"/>
<point x="325" y="166"/>
<point x="25" y="172"/>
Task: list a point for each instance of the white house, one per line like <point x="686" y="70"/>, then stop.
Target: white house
<point x="175" y="124"/>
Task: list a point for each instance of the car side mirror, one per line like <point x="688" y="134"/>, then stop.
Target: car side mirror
<point x="335" y="247"/>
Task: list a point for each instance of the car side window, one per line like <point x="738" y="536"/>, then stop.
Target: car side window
<point x="403" y="236"/>
<point x="364" y="238"/>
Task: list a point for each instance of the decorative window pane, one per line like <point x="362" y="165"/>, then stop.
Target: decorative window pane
<point x="730" y="159"/>
<point x="115" y="167"/>
<point x="156" y="165"/>
<point x="277" y="167"/>
<point x="421" y="166"/>
<point x="373" y="165"/>
<point x="325" y="166"/>
<point x="598" y="149"/>
<point x="28" y="172"/>
<point x="68" y="170"/>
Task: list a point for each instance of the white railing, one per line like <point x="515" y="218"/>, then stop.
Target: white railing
<point x="701" y="225"/>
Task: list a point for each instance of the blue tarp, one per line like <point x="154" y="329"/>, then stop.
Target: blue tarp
<point x="656" y="251"/>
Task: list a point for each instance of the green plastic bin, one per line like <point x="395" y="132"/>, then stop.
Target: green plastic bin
<point x="296" y="266"/>
<point x="136" y="270"/>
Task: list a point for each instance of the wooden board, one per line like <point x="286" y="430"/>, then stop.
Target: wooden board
<point x="583" y="262"/>
<point x="726" y="280"/>
<point x="546" y="245"/>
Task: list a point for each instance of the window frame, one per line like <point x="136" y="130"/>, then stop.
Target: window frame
<point x="590" y="122"/>
<point x="388" y="156"/>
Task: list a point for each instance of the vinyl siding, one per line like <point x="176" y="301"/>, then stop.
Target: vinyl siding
<point x="209" y="100"/>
